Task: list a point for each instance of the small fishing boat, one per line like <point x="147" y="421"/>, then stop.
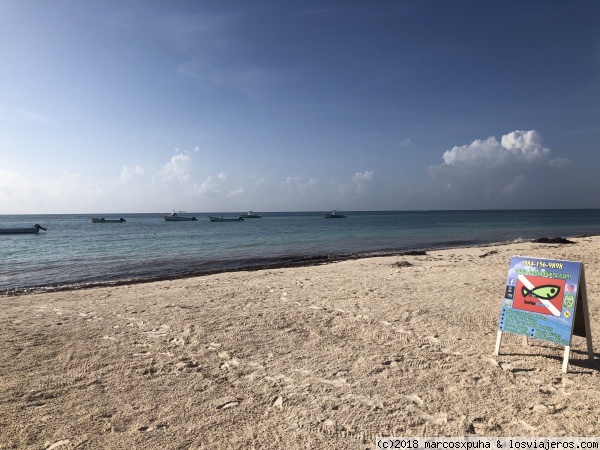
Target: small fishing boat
<point x="28" y="230"/>
<point x="250" y="215"/>
<point x="103" y="220"/>
<point x="335" y="215"/>
<point x="225" y="219"/>
<point x="177" y="216"/>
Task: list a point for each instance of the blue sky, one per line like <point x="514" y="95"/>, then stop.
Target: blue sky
<point x="149" y="106"/>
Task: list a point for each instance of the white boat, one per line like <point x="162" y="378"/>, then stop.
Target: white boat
<point x="335" y="215"/>
<point x="103" y="220"/>
<point x="250" y="215"/>
<point x="177" y="216"/>
<point x="225" y="219"/>
<point x="28" y="230"/>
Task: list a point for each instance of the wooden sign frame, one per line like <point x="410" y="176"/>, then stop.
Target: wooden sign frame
<point x="546" y="299"/>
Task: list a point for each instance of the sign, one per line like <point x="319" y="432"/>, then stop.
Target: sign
<point x="545" y="299"/>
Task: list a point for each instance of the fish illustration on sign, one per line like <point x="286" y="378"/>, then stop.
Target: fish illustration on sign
<point x="547" y="292"/>
<point x="536" y="294"/>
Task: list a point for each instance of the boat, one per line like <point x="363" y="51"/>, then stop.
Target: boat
<point x="250" y="215"/>
<point x="335" y="215"/>
<point x="103" y="220"/>
<point x="225" y="219"/>
<point x="29" y="230"/>
<point x="177" y="216"/>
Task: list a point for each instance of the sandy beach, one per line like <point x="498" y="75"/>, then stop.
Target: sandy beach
<point x="320" y="356"/>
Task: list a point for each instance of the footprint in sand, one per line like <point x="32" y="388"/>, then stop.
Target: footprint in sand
<point x="177" y="341"/>
<point x="255" y="366"/>
<point x="186" y="365"/>
<point x="415" y="399"/>
<point x="157" y="427"/>
<point x="230" y="364"/>
<point x="340" y="382"/>
<point x="492" y="361"/>
<point x="364" y="400"/>
<point x="279" y="378"/>
<point x="37" y="405"/>
<point x="158" y="331"/>
<point x="541" y="408"/>
<point x="393" y="362"/>
<point x="526" y="426"/>
<point x="441" y="419"/>
<point x="229" y="404"/>
<point x="58" y="444"/>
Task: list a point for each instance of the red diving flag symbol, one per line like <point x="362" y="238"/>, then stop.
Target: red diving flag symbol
<point x="539" y="295"/>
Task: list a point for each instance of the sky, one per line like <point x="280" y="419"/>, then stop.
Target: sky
<point x="268" y="105"/>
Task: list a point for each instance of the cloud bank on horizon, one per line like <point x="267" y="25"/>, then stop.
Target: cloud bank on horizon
<point x="515" y="171"/>
<point x="482" y="172"/>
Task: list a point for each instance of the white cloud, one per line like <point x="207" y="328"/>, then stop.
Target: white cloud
<point x="210" y="186"/>
<point x="362" y="179"/>
<point x="518" y="146"/>
<point x="506" y="173"/>
<point x="560" y="163"/>
<point x="297" y="183"/>
<point x="127" y="173"/>
<point x="66" y="182"/>
<point x="516" y="185"/>
<point x="525" y="145"/>
<point x="404" y="143"/>
<point x="238" y="191"/>
<point x="298" y="190"/>
<point x="7" y="177"/>
<point x="178" y="168"/>
<point x="14" y="187"/>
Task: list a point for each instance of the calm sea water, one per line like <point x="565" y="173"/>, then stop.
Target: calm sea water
<point x="75" y="252"/>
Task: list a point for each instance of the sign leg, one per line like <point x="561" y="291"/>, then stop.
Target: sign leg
<point x="566" y="358"/>
<point x="498" y="340"/>
<point x="586" y="315"/>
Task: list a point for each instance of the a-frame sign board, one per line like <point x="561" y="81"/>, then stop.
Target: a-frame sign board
<point x="546" y="299"/>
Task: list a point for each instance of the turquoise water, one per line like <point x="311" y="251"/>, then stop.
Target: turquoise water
<point x="75" y="252"/>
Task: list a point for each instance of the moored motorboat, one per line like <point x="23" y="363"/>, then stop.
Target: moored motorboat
<point x="177" y="216"/>
<point x="225" y="219"/>
<point x="28" y="230"/>
<point x="335" y="215"/>
<point x="250" y="215"/>
<point x="103" y="220"/>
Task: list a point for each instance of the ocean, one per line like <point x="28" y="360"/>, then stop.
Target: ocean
<point x="75" y="253"/>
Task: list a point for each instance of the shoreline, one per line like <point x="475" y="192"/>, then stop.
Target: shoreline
<point x="285" y="262"/>
<point x="317" y="356"/>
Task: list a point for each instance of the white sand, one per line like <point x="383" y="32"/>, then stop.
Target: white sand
<point x="309" y="357"/>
